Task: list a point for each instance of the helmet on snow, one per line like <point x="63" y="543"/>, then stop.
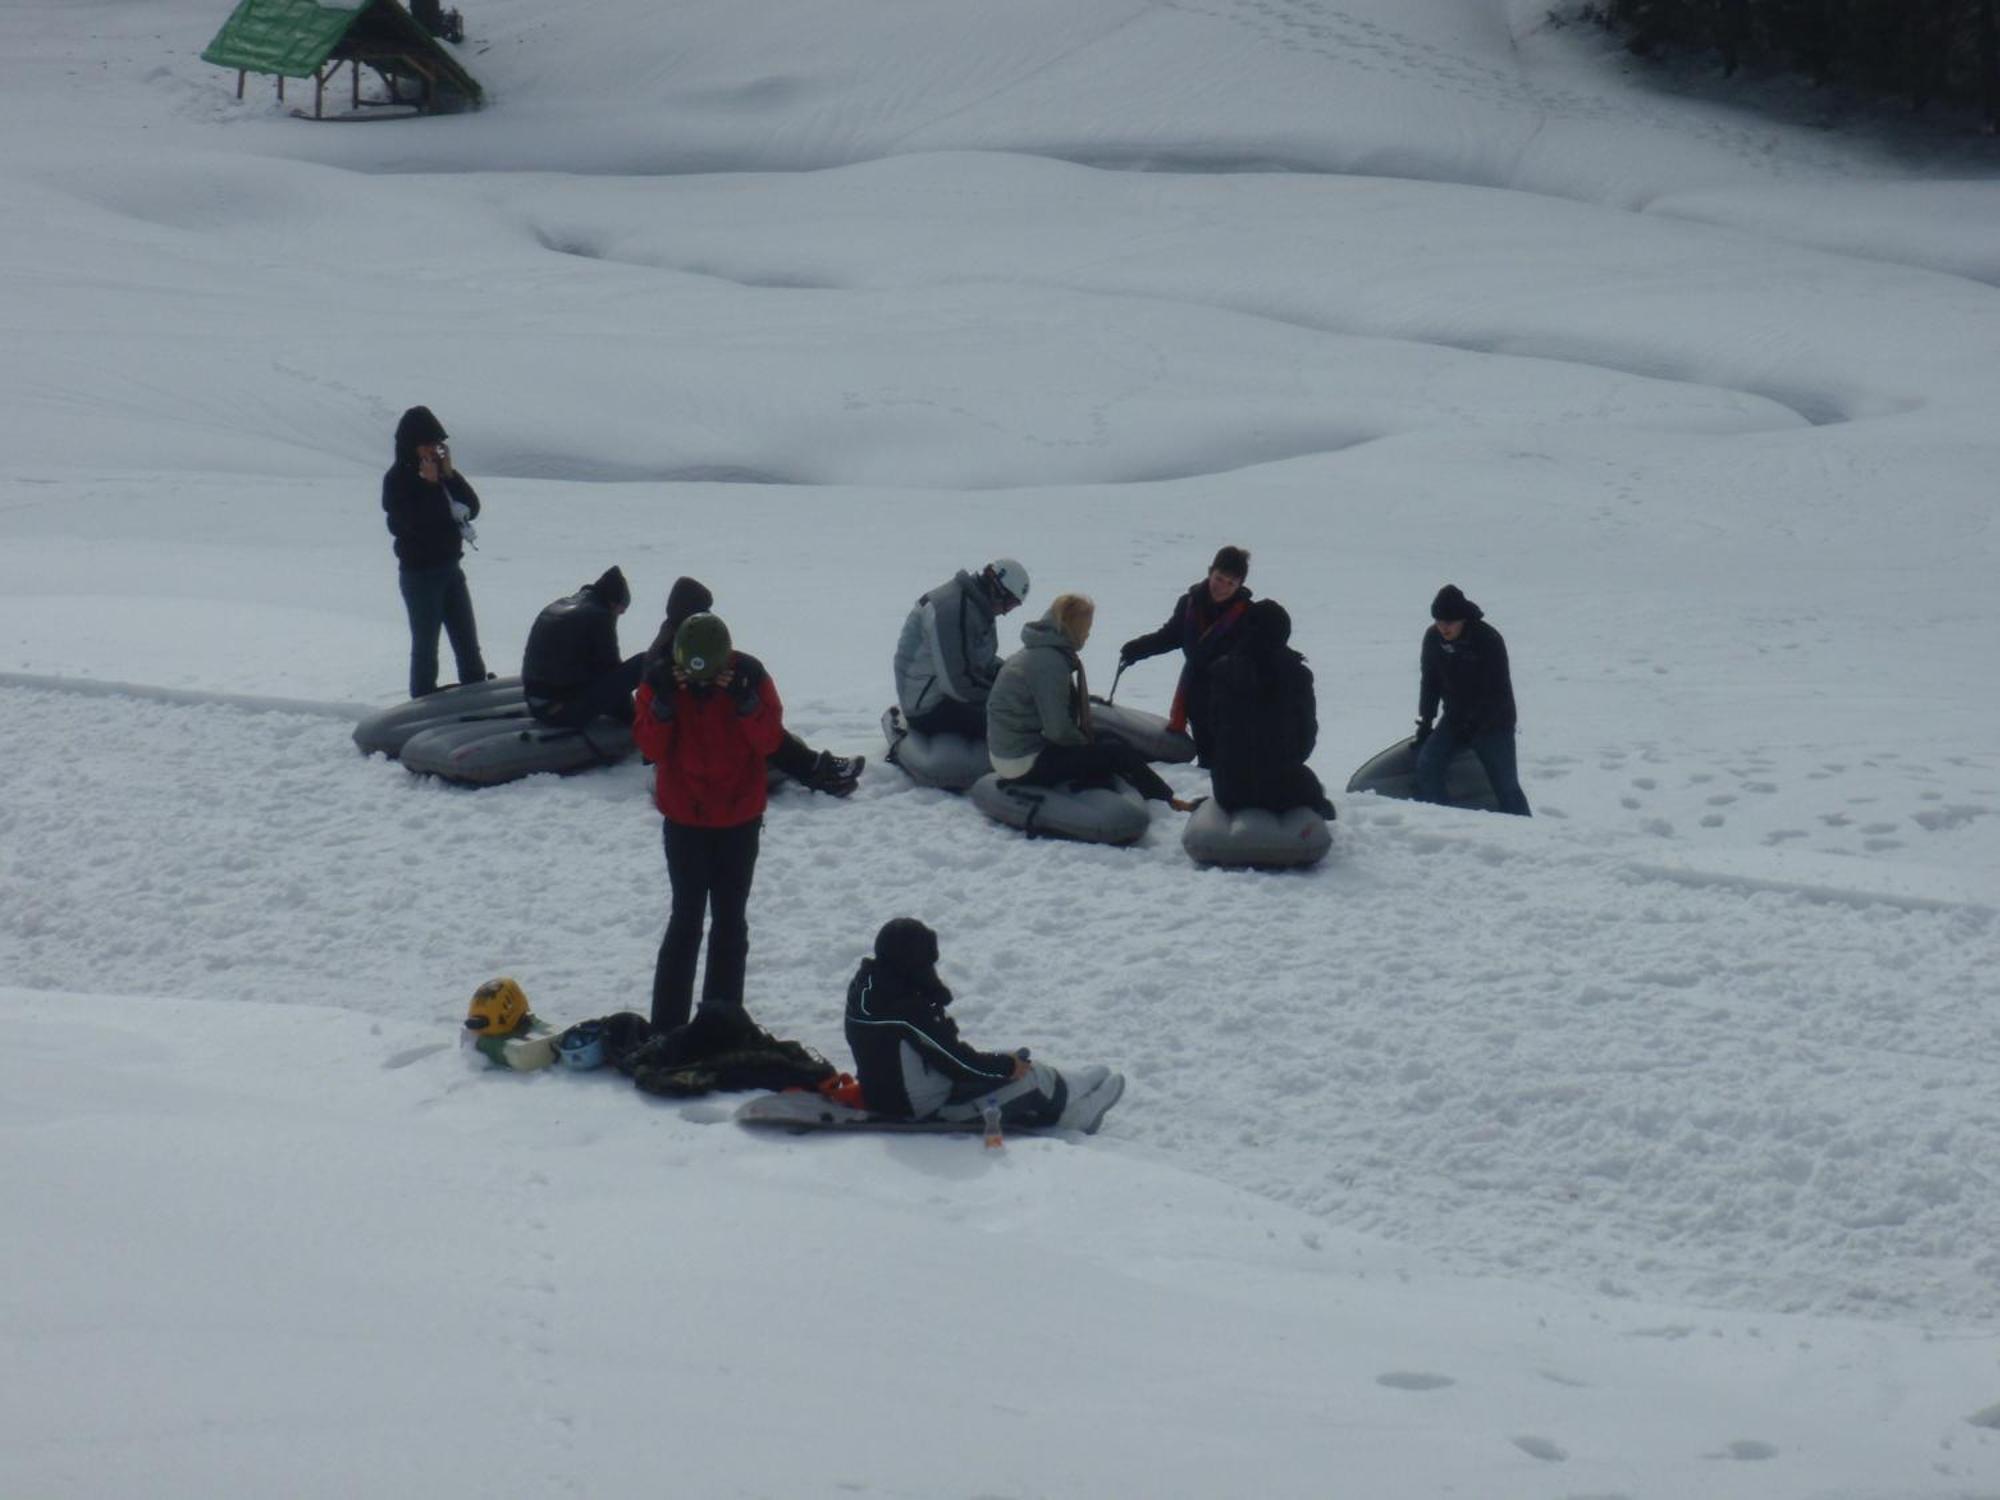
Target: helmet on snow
<point x="701" y="647"/>
<point x="1009" y="577"/>
<point x="498" y="1008"/>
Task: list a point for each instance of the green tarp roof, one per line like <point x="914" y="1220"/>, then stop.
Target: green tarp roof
<point x="292" y="37"/>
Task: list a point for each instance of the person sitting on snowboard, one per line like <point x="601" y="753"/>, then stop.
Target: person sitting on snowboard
<point x="909" y="1059"/>
<point x="821" y="770"/>
<point x="1265" y="720"/>
<point x="949" y="651"/>
<point x="1038" y="728"/>
<point x="571" y="672"/>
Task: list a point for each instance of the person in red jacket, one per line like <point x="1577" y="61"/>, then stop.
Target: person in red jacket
<point x="707" y="740"/>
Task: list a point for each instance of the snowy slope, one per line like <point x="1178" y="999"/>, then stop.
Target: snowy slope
<point x="1641" y="1149"/>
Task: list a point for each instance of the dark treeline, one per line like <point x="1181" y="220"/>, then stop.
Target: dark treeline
<point x="1927" y="51"/>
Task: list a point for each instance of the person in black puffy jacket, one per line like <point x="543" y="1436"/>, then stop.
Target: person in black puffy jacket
<point x="571" y="671"/>
<point x="1265" y="720"/>
<point x="429" y="507"/>
<point x="908" y="1056"/>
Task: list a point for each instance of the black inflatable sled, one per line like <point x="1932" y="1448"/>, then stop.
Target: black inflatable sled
<point x="1093" y="815"/>
<point x="1393" y="773"/>
<point x="950" y="762"/>
<point x="1254" y="839"/>
<point x="482" y="734"/>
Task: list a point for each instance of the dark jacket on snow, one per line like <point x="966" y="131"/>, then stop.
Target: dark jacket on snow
<point x="418" y="509"/>
<point x="573" y="642"/>
<point x="1266" y="719"/>
<point x="896" y="998"/>
<point x="1204" y="632"/>
<point x="1469" y="675"/>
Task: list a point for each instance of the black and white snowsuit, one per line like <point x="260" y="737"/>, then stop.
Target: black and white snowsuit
<point x="908" y="1055"/>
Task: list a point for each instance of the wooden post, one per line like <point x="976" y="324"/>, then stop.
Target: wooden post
<point x="239" y="82"/>
<point x="319" y="93"/>
<point x="355" y="70"/>
<point x="281" y="88"/>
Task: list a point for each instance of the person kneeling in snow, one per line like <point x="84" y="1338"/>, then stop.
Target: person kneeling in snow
<point x="908" y="1056"/>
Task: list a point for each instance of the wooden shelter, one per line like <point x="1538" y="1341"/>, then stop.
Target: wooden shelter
<point x="305" y="39"/>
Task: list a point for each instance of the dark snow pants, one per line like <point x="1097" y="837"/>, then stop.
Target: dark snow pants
<point x="710" y="870"/>
<point x="1062" y="763"/>
<point x="438" y="597"/>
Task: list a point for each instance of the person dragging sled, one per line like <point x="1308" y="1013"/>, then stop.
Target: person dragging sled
<point x="707" y="734"/>
<point x="1265" y="720"/>
<point x="1464" y="666"/>
<point x="949" y="651"/>
<point x="912" y="1064"/>
<point x="1204" y="625"/>
<point x="571" y="671"/>
<point x="819" y="770"/>
<point x="430" y="507"/>
<point x="1038" y="716"/>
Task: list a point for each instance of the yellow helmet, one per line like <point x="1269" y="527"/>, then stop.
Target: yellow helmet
<point x="498" y="1007"/>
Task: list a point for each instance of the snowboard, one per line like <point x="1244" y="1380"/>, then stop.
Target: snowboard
<point x="798" y="1111"/>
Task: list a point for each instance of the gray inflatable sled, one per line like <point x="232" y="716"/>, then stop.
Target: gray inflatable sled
<point x="1255" y="839"/>
<point x="482" y="734"/>
<point x="1393" y="773"/>
<point x="1090" y="1093"/>
<point x="951" y="762"/>
<point x="1093" y="815"/>
<point x="1144" y="732"/>
<point x="388" y="731"/>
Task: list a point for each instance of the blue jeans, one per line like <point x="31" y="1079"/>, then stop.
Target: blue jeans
<point x="1495" y="749"/>
<point x="438" y="597"/>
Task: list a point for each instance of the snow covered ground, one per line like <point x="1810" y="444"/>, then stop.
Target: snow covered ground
<point x="1643" y="1149"/>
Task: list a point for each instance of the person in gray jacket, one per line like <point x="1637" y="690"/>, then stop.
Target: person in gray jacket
<point x="1038" y="727"/>
<point x="949" y="651"/>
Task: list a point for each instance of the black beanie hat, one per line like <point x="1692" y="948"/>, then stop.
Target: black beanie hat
<point x="1234" y="561"/>
<point x="612" y="588"/>
<point x="908" y="947"/>
<point x="1270" y="622"/>
<point x="688" y="597"/>
<point x="1450" y="604"/>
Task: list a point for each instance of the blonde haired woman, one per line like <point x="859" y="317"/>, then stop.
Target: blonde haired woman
<point x="1038" y="716"/>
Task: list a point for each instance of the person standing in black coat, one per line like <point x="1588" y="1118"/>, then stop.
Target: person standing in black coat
<point x="430" y="507"/>
<point x="1204" y="627"/>
<point x="571" y="671"/>
<point x="1266" y="720"/>
<point x="1464" y="666"/>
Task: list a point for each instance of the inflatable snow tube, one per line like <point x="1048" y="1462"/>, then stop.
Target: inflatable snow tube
<point x="1144" y="732"/>
<point x="1093" y="815"/>
<point x="487" y="752"/>
<point x="392" y="728"/>
<point x="1255" y="839"/>
<point x="1393" y="773"/>
<point x="951" y="762"/>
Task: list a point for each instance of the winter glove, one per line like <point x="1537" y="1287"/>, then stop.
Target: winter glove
<point x="1128" y="653"/>
<point x="1423" y="731"/>
<point x="743" y="688"/>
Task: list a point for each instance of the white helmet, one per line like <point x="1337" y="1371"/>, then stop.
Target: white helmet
<point x="1008" y="576"/>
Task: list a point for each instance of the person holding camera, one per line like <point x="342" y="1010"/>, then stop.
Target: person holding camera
<point x="707" y="729"/>
<point x="430" y="507"/>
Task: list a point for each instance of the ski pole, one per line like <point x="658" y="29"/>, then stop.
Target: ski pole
<point x="1112" y="696"/>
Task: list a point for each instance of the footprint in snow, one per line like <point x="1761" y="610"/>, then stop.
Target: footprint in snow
<point x="1414" y="1380"/>
<point x="1542" y="1448"/>
<point x="1746" y="1450"/>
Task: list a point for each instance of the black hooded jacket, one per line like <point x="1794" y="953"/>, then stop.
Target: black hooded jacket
<point x="574" y="641"/>
<point x="1469" y="675"/>
<point x="1266" y="718"/>
<point x="688" y="596"/>
<point x="1205" y="632"/>
<point x="419" y="510"/>
<point x="897" y="997"/>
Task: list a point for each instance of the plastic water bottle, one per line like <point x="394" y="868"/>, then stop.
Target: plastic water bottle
<point x="990" y="1114"/>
